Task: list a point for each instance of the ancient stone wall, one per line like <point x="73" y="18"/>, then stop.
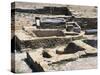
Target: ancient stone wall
<point x="45" y="43"/>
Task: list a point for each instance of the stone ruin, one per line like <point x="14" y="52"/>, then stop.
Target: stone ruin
<point x="51" y="40"/>
<point x="45" y="47"/>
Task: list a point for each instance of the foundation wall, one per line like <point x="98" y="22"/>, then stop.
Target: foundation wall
<point x="44" y="43"/>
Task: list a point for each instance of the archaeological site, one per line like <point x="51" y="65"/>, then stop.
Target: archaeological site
<point x="53" y="37"/>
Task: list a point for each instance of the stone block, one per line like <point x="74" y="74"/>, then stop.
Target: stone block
<point x="37" y="61"/>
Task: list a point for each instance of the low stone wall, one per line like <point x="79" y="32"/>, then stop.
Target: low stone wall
<point x="45" y="43"/>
